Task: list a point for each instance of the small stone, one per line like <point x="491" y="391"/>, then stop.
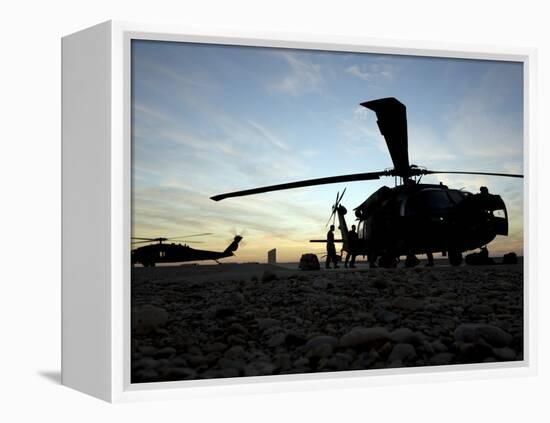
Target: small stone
<point x="148" y="318"/>
<point x="473" y="332"/>
<point x="294" y="340"/>
<point x="165" y="352"/>
<point x="406" y="336"/>
<point x="320" y="283"/>
<point x="223" y="312"/>
<point x="386" y="316"/>
<point x="267" y="323"/>
<point x="442" y="359"/>
<point x="480" y="309"/>
<point x="364" y="337"/>
<point x="259" y="368"/>
<point x="320" y="351"/>
<point x="439" y="346"/>
<point x="276" y="340"/>
<point x="214" y="347"/>
<point x="179" y="373"/>
<point x="235" y="352"/>
<point x="269" y="276"/>
<point x="379" y="283"/>
<point x="401" y="354"/>
<point x="504" y="354"/>
<point x="319" y="340"/>
<point x="407" y="303"/>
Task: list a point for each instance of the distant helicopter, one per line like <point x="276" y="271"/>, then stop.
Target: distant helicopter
<point x="411" y="218"/>
<point x="160" y="252"/>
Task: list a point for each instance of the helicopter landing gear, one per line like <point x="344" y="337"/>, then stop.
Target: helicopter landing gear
<point x="455" y="258"/>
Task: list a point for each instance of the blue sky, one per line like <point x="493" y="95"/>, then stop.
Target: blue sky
<point x="210" y="119"/>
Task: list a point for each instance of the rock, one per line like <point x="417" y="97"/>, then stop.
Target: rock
<point x="267" y="323"/>
<point x="504" y="354"/>
<point x="438" y="346"/>
<point x="148" y="350"/>
<point x="480" y="309"/>
<point x="276" y="340"/>
<point x="165" y="352"/>
<point x="407" y="303"/>
<point x="401" y="354"/>
<point x="179" y="373"/>
<point x="221" y="373"/>
<point x="259" y="368"/>
<point x="321" y="283"/>
<point x="379" y="282"/>
<point x="474" y="332"/>
<point x="147" y="375"/>
<point x="320" y="351"/>
<point x="226" y="363"/>
<point x="442" y="359"/>
<point x="147" y="318"/>
<point x="214" y="347"/>
<point x="238" y="328"/>
<point x="473" y="352"/>
<point x="145" y="363"/>
<point x="282" y="361"/>
<point x="223" y="312"/>
<point x="309" y="262"/>
<point x="294" y="340"/>
<point x="386" y="316"/>
<point x="235" y="352"/>
<point x="510" y="258"/>
<point x="319" y="340"/>
<point x="364" y="337"/>
<point x="269" y="276"/>
<point x="406" y="336"/>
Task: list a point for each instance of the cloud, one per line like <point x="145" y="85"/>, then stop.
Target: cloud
<point x="372" y="71"/>
<point x="304" y="78"/>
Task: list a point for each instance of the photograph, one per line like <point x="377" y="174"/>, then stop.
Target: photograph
<point x="298" y="211"/>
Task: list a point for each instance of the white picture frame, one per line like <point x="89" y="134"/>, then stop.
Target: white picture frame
<point x="96" y="207"/>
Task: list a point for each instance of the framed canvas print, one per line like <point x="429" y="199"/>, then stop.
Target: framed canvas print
<point x="279" y="212"/>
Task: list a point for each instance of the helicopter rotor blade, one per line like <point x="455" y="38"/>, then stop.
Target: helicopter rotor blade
<point x="189" y="236"/>
<point x="307" y="183"/>
<point x="144" y="239"/>
<point x="392" y="122"/>
<point x="509" y="175"/>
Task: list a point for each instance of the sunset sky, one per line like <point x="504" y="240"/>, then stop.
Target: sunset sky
<point x="211" y="119"/>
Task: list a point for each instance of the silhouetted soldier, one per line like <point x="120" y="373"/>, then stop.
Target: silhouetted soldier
<point x="331" y="249"/>
<point x="352" y="248"/>
<point x="430" y="256"/>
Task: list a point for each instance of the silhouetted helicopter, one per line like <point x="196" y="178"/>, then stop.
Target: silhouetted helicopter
<point x="150" y="255"/>
<point x="411" y="218"/>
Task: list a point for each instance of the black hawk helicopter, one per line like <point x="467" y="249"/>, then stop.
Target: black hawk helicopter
<point x="160" y="252"/>
<point x="411" y="218"/>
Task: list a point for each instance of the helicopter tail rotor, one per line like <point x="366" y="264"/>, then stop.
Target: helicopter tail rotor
<point x="335" y="206"/>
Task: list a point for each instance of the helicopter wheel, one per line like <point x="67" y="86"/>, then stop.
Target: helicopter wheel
<point x="455" y="258"/>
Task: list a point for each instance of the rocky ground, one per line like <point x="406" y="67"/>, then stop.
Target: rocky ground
<point x="281" y="323"/>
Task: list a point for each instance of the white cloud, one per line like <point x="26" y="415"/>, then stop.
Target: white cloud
<point x="305" y="77"/>
<point x="373" y="71"/>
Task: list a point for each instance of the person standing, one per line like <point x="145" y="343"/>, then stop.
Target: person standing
<point x="331" y="249"/>
<point x="352" y="248"/>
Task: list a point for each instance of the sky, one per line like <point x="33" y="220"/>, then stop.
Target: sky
<point x="210" y="119"/>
